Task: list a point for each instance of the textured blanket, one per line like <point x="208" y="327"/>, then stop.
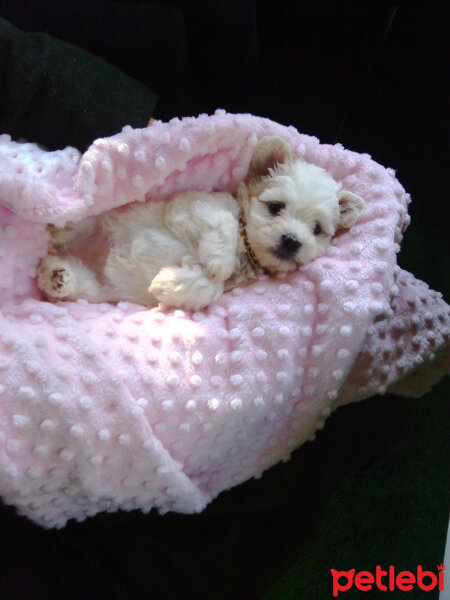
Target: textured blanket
<point x="108" y="407"/>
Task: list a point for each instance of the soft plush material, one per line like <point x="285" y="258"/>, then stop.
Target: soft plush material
<point x="108" y="407"/>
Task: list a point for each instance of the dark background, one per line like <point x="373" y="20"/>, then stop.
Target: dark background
<point x="373" y="488"/>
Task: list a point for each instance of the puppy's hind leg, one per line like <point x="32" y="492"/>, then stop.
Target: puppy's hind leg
<point x="66" y="277"/>
<point x="185" y="287"/>
<point x="79" y="230"/>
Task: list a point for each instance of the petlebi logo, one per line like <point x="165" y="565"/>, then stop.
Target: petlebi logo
<point x="389" y="579"/>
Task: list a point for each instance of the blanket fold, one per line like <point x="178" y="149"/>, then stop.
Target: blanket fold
<point x="108" y="407"/>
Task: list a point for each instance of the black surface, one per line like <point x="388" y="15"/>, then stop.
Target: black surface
<point x="58" y="95"/>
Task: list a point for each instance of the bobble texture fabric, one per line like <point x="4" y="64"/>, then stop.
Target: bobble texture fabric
<point x="108" y="407"/>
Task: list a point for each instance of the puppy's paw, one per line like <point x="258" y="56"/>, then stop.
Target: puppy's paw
<point x="184" y="287"/>
<point x="164" y="286"/>
<point x="217" y="250"/>
<point x="55" y="277"/>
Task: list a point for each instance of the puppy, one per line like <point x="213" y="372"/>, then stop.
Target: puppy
<point x="187" y="251"/>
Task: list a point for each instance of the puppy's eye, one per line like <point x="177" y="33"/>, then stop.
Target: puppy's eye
<point x="317" y="229"/>
<point x="275" y="208"/>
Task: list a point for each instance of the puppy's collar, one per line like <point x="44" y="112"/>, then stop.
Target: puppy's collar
<point x="243" y="232"/>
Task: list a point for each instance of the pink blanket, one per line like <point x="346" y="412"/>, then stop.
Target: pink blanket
<point x="118" y="407"/>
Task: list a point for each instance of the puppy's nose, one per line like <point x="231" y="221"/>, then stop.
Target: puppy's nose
<point x="288" y="245"/>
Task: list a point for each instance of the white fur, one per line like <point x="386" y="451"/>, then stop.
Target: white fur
<point x="311" y="197"/>
<point x="186" y="251"/>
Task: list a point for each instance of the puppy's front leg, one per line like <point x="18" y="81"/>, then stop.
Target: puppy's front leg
<point x="185" y="287"/>
<point x="217" y="248"/>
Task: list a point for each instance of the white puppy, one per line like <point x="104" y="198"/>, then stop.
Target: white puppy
<point x="187" y="251"/>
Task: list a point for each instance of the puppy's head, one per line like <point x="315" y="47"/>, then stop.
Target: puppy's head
<point x="292" y="208"/>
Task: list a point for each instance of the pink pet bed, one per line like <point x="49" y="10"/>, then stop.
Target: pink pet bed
<point x="108" y="407"/>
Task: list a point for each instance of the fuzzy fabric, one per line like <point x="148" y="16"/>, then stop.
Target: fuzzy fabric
<point x="108" y="407"/>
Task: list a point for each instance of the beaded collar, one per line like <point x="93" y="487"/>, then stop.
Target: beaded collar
<point x="243" y="232"/>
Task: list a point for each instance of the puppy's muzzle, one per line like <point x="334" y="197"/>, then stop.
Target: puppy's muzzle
<point x="287" y="247"/>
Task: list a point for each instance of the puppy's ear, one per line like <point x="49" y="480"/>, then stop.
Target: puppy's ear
<point x="241" y="192"/>
<point x="268" y="152"/>
<point x="351" y="208"/>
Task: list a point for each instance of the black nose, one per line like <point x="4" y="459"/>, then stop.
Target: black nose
<point x="290" y="243"/>
<point x="287" y="246"/>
